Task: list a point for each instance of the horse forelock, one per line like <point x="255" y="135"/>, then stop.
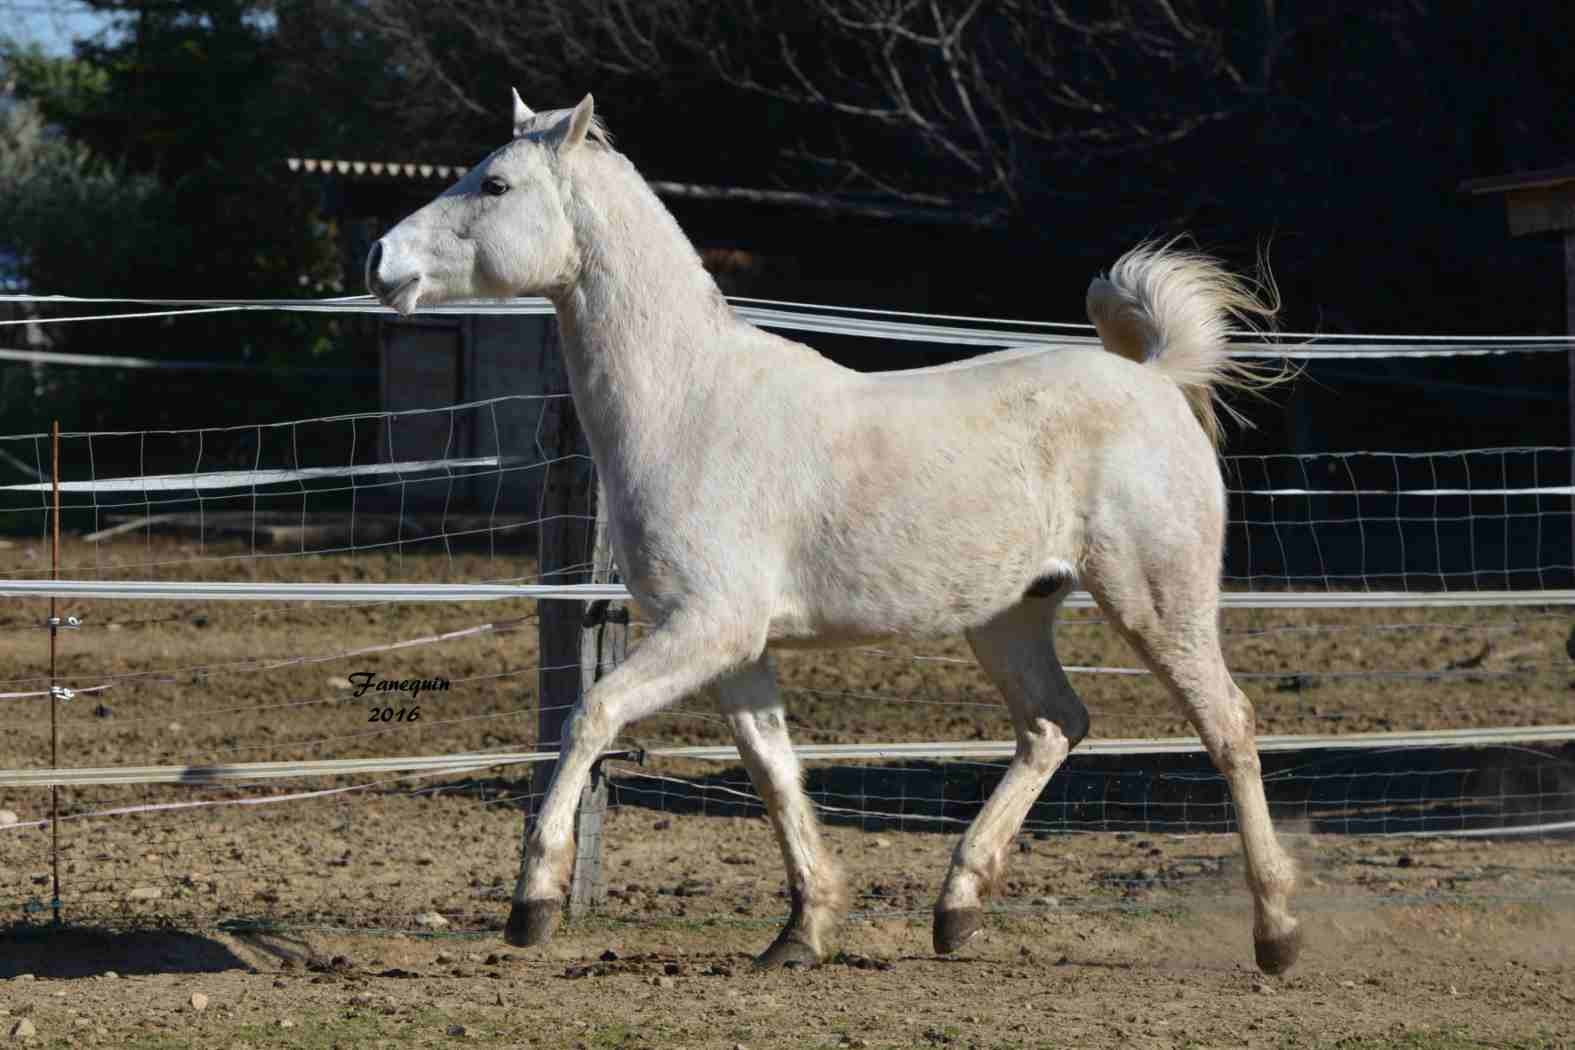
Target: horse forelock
<point x="536" y="128"/>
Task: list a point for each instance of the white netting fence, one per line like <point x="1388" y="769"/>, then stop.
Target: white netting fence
<point x="1467" y="519"/>
<point x="418" y="482"/>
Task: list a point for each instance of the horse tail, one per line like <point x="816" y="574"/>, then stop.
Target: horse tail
<point x="1171" y="309"/>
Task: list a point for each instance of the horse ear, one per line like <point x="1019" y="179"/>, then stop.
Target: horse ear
<point x="571" y="130"/>
<point x="522" y="112"/>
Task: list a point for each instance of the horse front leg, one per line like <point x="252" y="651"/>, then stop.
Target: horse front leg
<point x="682" y="656"/>
<point x="815" y="885"/>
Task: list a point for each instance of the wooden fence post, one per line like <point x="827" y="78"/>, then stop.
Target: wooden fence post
<point x="576" y="648"/>
<point x="603" y="642"/>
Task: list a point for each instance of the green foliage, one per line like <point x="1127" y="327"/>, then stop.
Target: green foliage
<point x="72" y="223"/>
<point x="76" y="223"/>
<point x="152" y="164"/>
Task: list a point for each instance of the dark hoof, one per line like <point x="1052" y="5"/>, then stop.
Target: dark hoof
<point x="532" y="922"/>
<point x="1278" y="955"/>
<point x="954" y="927"/>
<point x="786" y="951"/>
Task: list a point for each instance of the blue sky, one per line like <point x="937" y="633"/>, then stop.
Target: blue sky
<point x="51" y="23"/>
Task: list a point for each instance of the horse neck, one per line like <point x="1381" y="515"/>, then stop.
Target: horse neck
<point x="641" y="324"/>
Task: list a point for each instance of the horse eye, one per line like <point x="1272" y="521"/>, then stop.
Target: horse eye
<point x="494" y="187"/>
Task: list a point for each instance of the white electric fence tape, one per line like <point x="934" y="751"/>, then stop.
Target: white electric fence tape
<point x="831" y="320"/>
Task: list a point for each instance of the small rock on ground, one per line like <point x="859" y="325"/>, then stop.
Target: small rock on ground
<point x="23" y="1030"/>
<point x="8" y="817"/>
<point x="199" y="1002"/>
<point x="431" y="920"/>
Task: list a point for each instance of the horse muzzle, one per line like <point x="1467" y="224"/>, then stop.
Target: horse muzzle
<point x="400" y="291"/>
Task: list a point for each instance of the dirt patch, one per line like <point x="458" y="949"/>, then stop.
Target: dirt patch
<point x="1431" y="976"/>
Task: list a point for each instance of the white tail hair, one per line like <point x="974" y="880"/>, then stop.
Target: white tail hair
<point x="1172" y="309"/>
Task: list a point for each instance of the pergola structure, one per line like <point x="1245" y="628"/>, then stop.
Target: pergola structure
<point x="1539" y="202"/>
<point x="1543" y="202"/>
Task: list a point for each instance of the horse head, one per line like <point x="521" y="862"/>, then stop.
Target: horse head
<point x="501" y="231"/>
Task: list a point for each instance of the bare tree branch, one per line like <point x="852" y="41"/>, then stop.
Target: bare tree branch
<point x="923" y="99"/>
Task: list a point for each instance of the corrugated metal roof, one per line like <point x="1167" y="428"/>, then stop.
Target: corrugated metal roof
<point x="1525" y="180"/>
<point x="374" y="169"/>
<point x="862" y="205"/>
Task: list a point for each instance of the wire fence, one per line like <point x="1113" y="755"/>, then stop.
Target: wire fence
<point x="462" y="478"/>
<point x="470" y="477"/>
<point x="438" y="854"/>
<point x="349" y="739"/>
<point x="1468" y="519"/>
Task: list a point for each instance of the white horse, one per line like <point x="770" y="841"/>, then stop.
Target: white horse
<point x="760" y="495"/>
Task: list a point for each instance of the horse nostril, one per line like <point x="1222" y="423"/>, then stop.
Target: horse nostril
<point x="374" y="261"/>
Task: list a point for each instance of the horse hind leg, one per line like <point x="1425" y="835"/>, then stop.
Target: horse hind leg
<point x="1017" y="651"/>
<point x="1170" y="619"/>
<point x="754" y="710"/>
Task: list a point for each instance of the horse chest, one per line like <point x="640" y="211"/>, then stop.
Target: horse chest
<point x="666" y="559"/>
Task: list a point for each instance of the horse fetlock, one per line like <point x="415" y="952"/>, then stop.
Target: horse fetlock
<point x="813" y="915"/>
<point x="961" y="890"/>
<point x="973" y="876"/>
<point x="803" y="940"/>
<point x="831" y="896"/>
<point x="1272" y="881"/>
<point x="548" y="869"/>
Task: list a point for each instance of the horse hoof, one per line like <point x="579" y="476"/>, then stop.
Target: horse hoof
<point x="1278" y="954"/>
<point x="954" y="927"/>
<point x="787" y="952"/>
<point x="532" y="922"/>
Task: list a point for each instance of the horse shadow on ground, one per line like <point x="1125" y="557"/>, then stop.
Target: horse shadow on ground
<point x="67" y="951"/>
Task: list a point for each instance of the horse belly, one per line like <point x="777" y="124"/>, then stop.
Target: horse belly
<point x="917" y="583"/>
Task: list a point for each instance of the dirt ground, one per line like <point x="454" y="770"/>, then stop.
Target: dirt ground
<point x="1130" y="940"/>
<point x="1081" y="956"/>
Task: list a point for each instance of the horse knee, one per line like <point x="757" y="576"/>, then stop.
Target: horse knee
<point x="591" y="721"/>
<point x="1044" y="747"/>
<point x="1074" y="724"/>
<point x="1232" y="750"/>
